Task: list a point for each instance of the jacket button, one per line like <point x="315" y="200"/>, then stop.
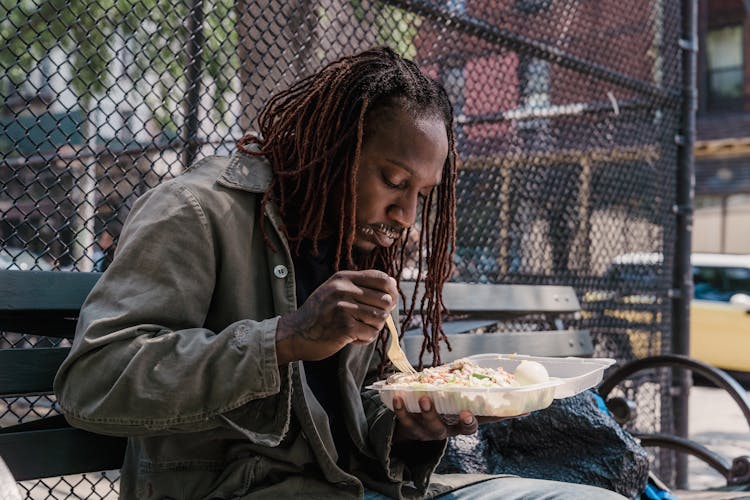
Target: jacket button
<point x="280" y="271"/>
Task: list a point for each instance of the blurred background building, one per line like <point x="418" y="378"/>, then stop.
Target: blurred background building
<point x="722" y="149"/>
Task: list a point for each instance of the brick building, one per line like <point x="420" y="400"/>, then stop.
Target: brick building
<point x="557" y="103"/>
<point x="722" y="150"/>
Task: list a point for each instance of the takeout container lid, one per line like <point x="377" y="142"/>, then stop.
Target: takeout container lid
<point x="576" y="374"/>
<point x="568" y="377"/>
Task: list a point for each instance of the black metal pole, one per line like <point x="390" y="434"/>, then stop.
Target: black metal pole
<point x="723" y="225"/>
<point x="194" y="69"/>
<point x="683" y="277"/>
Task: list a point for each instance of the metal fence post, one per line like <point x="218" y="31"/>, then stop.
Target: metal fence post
<point x="683" y="278"/>
<point x="194" y="55"/>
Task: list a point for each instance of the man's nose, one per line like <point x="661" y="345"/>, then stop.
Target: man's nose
<point x="404" y="210"/>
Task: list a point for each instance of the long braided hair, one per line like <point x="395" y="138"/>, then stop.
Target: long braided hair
<point x="312" y="135"/>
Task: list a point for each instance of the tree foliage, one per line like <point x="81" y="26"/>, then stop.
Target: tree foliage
<point x="394" y="26"/>
<point x="86" y="30"/>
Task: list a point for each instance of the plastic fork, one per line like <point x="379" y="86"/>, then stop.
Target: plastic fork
<point x="395" y="353"/>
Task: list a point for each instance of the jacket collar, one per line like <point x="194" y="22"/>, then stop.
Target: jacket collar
<point x="247" y="172"/>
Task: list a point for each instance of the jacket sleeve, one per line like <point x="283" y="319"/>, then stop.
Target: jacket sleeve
<point x="142" y="362"/>
<point x="410" y="462"/>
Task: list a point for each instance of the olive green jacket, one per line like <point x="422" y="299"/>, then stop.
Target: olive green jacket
<point x="175" y="349"/>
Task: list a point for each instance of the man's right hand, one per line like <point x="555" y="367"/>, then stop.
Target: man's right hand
<point x="349" y="308"/>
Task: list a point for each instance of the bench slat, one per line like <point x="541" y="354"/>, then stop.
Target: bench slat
<point x="59" y="452"/>
<point x="29" y="371"/>
<point x="548" y="343"/>
<point x="44" y="290"/>
<point x="502" y="300"/>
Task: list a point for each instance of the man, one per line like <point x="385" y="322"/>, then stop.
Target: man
<point x="244" y="311"/>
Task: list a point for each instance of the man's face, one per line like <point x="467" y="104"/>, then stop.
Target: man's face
<point x="401" y="162"/>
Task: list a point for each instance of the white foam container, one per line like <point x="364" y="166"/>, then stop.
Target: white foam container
<point x="568" y="377"/>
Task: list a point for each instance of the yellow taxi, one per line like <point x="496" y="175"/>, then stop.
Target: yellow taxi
<point x="720" y="311"/>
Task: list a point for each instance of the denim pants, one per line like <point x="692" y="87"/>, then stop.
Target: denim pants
<point x="520" y="488"/>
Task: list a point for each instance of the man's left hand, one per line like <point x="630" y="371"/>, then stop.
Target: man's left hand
<point x="429" y="425"/>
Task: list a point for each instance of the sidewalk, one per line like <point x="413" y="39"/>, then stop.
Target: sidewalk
<point x="715" y="421"/>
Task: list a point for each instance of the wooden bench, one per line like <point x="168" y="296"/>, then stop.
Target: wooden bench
<point x="46" y="303"/>
<point x="484" y="306"/>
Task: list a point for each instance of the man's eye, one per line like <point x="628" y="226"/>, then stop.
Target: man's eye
<point x="391" y="184"/>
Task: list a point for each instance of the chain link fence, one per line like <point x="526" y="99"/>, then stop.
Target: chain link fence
<point x="566" y="114"/>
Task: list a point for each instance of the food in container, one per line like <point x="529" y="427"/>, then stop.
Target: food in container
<point x="465" y="373"/>
<point x="530" y="373"/>
<point x="494" y="384"/>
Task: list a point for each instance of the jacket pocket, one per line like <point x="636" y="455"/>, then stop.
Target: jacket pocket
<point x="191" y="480"/>
<point x="236" y="479"/>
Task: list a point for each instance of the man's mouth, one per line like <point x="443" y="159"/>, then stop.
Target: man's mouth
<point x="384" y="233"/>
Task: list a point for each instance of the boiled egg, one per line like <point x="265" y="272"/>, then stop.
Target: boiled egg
<point x="531" y="372"/>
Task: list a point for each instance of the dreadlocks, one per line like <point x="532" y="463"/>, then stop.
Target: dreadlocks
<point x="312" y="135"/>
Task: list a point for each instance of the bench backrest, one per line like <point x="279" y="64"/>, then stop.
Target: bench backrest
<point x="499" y="301"/>
<point x="485" y="305"/>
<point x="45" y="303"/>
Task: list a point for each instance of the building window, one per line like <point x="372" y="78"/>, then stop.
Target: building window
<point x="724" y="60"/>
<point x="534" y="78"/>
<point x="532" y="6"/>
<point x="454" y="81"/>
<point x="534" y="83"/>
<point x="457" y="6"/>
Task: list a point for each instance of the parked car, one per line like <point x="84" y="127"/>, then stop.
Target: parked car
<point x="719" y="311"/>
